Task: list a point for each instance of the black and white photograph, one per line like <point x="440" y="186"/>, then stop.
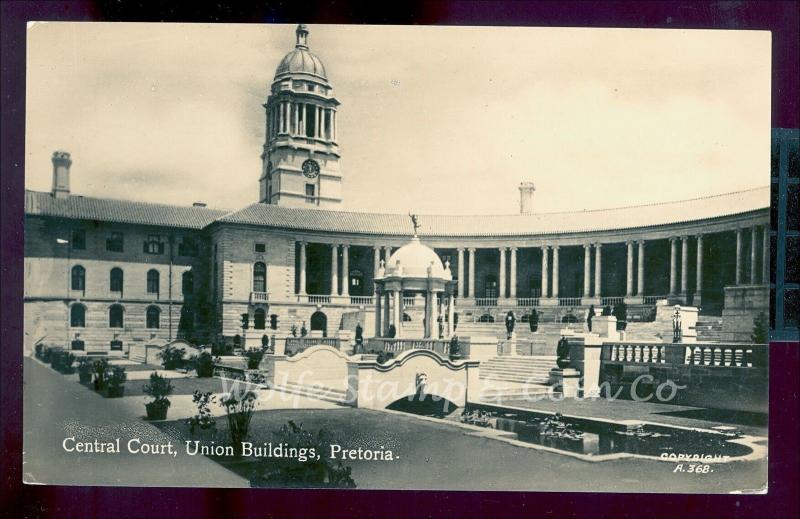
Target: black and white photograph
<point x="400" y="257"/>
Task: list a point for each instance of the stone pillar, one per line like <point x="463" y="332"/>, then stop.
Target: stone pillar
<point x="472" y="273"/>
<point x="598" y="270"/>
<point x="765" y="255"/>
<point x="460" y="286"/>
<point x="378" y="314"/>
<point x="684" y="266"/>
<point x="629" y="272"/>
<point x="753" y="257"/>
<point x="319" y="122"/>
<point x="513" y="280"/>
<point x="346" y="270"/>
<point x="501" y="293"/>
<point x="429" y="304"/>
<point x="673" y="267"/>
<point x="451" y="314"/>
<point x="297" y="118"/>
<point x="333" y="125"/>
<point x="555" y="272"/>
<point x="698" y="287"/>
<point x="376" y="264"/>
<point x="398" y="315"/>
<point x="545" y="267"/>
<point x="640" y="271"/>
<point x="387" y="253"/>
<point x="334" y="270"/>
<point x="387" y="315"/>
<point x="587" y="270"/>
<point x="738" y="256"/>
<point x="302" y="287"/>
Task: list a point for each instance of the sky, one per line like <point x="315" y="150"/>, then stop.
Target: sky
<point x="436" y="120"/>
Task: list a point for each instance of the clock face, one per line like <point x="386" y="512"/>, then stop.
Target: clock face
<point x="310" y="168"/>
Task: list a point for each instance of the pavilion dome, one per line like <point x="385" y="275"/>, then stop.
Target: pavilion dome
<point x="413" y="259"/>
<point x="301" y="61"/>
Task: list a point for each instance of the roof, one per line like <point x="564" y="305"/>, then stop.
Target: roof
<point x="301" y="61"/>
<point x="413" y="260"/>
<point x="729" y="204"/>
<point x="120" y="211"/>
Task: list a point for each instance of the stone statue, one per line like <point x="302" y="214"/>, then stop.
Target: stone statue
<point x="589" y="317"/>
<point x="562" y="353"/>
<point x="414" y="222"/>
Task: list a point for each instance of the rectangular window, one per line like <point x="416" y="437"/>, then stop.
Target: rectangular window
<point x="188" y="247"/>
<point x="310" y="192"/>
<point x="115" y="242"/>
<point x="116" y="345"/>
<point x="78" y="241"/>
<point x="261" y="247"/>
<point x="153" y="245"/>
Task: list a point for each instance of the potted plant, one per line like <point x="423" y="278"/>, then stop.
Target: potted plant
<point x="172" y="357"/>
<point x="100" y="367"/>
<point x="254" y="358"/>
<point x="116" y="382"/>
<point x="205" y="365"/>
<point x="203" y="424"/>
<point x="158" y="389"/>
<point x="85" y="370"/>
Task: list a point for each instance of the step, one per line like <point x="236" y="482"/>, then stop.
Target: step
<point x="520" y="380"/>
<point x="320" y="393"/>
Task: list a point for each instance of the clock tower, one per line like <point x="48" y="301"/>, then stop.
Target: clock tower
<point x="300" y="160"/>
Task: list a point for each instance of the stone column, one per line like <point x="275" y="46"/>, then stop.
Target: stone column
<point x="629" y="272"/>
<point x="598" y="270"/>
<point x="512" y="289"/>
<point x="319" y="122"/>
<point x="387" y="253"/>
<point x="738" y="256"/>
<point x="378" y="314"/>
<point x="302" y="287"/>
<point x="673" y="286"/>
<point x="753" y="257"/>
<point x="429" y="304"/>
<point x="472" y="273"/>
<point x="460" y="286"/>
<point x="545" y="267"/>
<point x="684" y="265"/>
<point x="346" y="270"/>
<point x="333" y="125"/>
<point x="387" y="315"/>
<point x="398" y="313"/>
<point x="640" y="271"/>
<point x="698" y="286"/>
<point x="451" y="314"/>
<point x="297" y="118"/>
<point x="765" y="255"/>
<point x="376" y="263"/>
<point x="587" y="270"/>
<point x="334" y="270"/>
<point x="501" y="293"/>
<point x="555" y="272"/>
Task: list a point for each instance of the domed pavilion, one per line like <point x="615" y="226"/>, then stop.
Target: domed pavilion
<point x="414" y="268"/>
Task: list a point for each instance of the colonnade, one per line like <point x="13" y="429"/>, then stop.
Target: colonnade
<point x="292" y="118"/>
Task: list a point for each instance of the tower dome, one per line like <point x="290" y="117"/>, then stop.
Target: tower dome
<point x="301" y="61"/>
<point x="413" y="260"/>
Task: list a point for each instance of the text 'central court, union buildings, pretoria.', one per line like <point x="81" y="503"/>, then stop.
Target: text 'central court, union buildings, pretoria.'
<point x="105" y="274"/>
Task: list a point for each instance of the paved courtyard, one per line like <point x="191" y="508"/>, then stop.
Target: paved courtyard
<point x="432" y="454"/>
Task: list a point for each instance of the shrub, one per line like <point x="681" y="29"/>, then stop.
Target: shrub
<point x="204" y="365"/>
<point x="62" y="361"/>
<point x="172" y="357"/>
<point x="53" y="356"/>
<point x="239" y="406"/>
<point x="116" y="381"/>
<point x="203" y="420"/>
<point x="254" y="358"/>
<point x="100" y="368"/>
<point x="85" y="370"/>
<point x="311" y="469"/>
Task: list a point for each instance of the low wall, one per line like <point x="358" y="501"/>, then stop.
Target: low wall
<point x="742" y="306"/>
<point x="321" y="366"/>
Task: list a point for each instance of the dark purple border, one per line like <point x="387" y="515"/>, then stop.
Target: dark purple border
<point x="39" y="501"/>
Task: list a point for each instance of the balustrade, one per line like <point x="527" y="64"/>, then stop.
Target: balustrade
<point x="692" y="354"/>
<point x="361" y="300"/>
<point x="611" y="300"/>
<point x="485" y="301"/>
<point x="528" y="301"/>
<point x="651" y="300"/>
<point x="569" y="301"/>
<point x="259" y="297"/>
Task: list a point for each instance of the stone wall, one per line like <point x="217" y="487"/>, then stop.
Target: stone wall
<point x="742" y="306"/>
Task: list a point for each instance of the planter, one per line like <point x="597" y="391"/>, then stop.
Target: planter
<point x="84" y="378"/>
<point x="115" y="391"/>
<point x="562" y="362"/>
<point x="157" y="410"/>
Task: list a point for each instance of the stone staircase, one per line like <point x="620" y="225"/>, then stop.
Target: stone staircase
<point x="709" y="328"/>
<point x="521" y="370"/>
<point x="328" y="394"/>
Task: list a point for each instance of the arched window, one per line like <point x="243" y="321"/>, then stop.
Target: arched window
<point x="77" y="316"/>
<point x="259" y="319"/>
<point x="319" y="322"/>
<point x="486" y="318"/>
<point x="187" y="284"/>
<point x="153" y="317"/>
<point x="78" y="278"/>
<point x="116" y="316"/>
<point x="152" y="281"/>
<point x="259" y="277"/>
<point x="115" y="282"/>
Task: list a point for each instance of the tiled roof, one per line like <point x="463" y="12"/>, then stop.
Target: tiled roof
<point x="505" y="225"/>
<point x="120" y="211"/>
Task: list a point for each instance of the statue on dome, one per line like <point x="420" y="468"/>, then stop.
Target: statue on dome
<point x="414" y="222"/>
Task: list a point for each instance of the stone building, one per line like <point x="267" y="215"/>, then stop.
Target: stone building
<point x="103" y="274"/>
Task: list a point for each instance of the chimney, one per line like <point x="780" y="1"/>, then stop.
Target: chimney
<point x="199" y="204"/>
<point x="526" y="190"/>
<point x="61" y="165"/>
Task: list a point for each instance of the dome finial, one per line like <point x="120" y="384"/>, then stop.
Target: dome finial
<point x="302" y="36"/>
